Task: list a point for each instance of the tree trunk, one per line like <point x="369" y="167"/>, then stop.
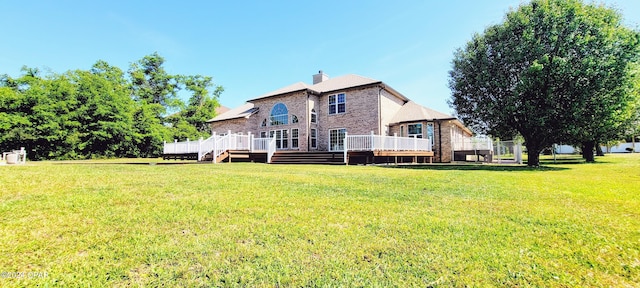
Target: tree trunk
<point x="587" y="151"/>
<point x="533" y="158"/>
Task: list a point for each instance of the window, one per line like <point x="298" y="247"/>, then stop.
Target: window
<point x="401" y="131"/>
<point x="279" y="115"/>
<point x="263" y="134"/>
<point x="415" y="129"/>
<point x="430" y="132"/>
<point x="337" y="103"/>
<point x="314" y="116"/>
<point x="282" y="138"/>
<point x="294" y="119"/>
<point x="264" y="123"/>
<point x="294" y="138"/>
<point x="314" y="138"/>
<point x="336" y="139"/>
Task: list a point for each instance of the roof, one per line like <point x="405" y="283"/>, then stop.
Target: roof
<point x="343" y="82"/>
<point x="222" y="109"/>
<point x="284" y="90"/>
<point x="331" y="84"/>
<point x="412" y="111"/>
<point x="243" y="111"/>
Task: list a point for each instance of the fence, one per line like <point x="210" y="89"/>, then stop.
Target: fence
<point x="620" y="148"/>
<point x="507" y="152"/>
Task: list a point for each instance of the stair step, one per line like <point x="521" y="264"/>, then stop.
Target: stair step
<point x="324" y="158"/>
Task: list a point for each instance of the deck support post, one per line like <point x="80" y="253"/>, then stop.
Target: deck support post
<point x="215" y="148"/>
<point x="345" y="148"/>
<point x="395" y="143"/>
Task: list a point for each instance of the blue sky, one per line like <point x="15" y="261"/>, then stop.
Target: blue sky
<point x="254" y="47"/>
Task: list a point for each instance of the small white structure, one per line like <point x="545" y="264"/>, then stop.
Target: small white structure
<point x="14" y="157"/>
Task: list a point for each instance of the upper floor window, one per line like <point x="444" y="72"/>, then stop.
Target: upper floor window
<point x="294" y="119"/>
<point x="264" y="123"/>
<point x="337" y="103"/>
<point x="279" y="115"/>
<point x="314" y="116"/>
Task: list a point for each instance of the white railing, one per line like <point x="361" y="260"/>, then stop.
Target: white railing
<point x="473" y="143"/>
<point x="182" y="147"/>
<point x="385" y="143"/>
<point x="206" y="146"/>
<point x="217" y="145"/>
<point x="260" y="144"/>
<point x="272" y="149"/>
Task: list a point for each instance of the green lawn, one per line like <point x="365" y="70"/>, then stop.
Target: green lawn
<point x="84" y="224"/>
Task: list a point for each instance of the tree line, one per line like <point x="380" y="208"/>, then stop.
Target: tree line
<point x="103" y="112"/>
<point x="555" y="71"/>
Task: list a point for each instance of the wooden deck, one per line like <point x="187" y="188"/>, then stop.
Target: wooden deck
<point x="317" y="157"/>
<point x="396" y="157"/>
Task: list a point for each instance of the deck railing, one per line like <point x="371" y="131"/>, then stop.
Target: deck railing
<point x="385" y="143"/>
<point x="260" y="144"/>
<point x="272" y="149"/>
<point x="472" y="143"/>
<point x="219" y="144"/>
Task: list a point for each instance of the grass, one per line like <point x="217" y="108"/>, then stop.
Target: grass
<point x="91" y="224"/>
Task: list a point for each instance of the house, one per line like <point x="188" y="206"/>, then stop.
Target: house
<point x="316" y="117"/>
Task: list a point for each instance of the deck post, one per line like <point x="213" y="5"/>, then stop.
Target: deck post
<point x="373" y="141"/>
<point x="175" y="146"/>
<point x="188" y="146"/>
<point x="215" y="143"/>
<point x="415" y="142"/>
<point x="395" y="142"/>
<point x="345" y="148"/>
<point x="250" y="142"/>
<point x="199" y="148"/>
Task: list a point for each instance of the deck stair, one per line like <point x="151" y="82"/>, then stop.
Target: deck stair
<point x="294" y="157"/>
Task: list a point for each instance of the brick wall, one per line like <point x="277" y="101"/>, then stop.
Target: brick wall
<point x="360" y="117"/>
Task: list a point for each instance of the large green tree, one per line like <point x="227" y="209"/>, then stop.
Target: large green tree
<point x="553" y="71"/>
<point x="106" y="113"/>
<point x="191" y="121"/>
<point x="102" y="112"/>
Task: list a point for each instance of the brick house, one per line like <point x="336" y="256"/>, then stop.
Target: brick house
<point x="316" y="117"/>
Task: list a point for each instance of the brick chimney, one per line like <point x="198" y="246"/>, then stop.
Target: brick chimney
<point x="317" y="78"/>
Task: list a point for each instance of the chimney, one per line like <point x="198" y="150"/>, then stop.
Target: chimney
<point x="317" y="78"/>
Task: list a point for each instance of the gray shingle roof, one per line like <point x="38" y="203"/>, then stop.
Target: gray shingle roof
<point x="412" y="111"/>
<point x="343" y="82"/>
<point x="245" y="110"/>
<point x="331" y="84"/>
<point x="288" y="89"/>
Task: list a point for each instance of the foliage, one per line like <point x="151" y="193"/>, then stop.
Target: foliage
<point x="555" y="71"/>
<point x="91" y="224"/>
<point x="100" y="112"/>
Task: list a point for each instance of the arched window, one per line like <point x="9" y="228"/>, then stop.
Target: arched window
<point x="294" y="119"/>
<point x="264" y="123"/>
<point x="279" y="115"/>
<point x="314" y="116"/>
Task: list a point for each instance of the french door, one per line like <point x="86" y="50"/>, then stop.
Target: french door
<point x="282" y="138"/>
<point x="336" y="139"/>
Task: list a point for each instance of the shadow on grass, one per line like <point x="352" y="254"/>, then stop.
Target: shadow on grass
<point x="477" y="167"/>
